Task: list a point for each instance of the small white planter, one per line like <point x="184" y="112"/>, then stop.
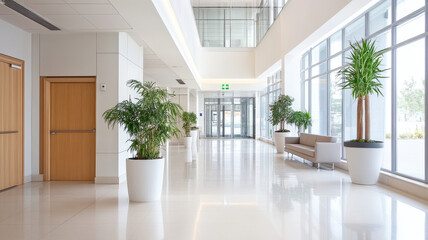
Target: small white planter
<point x="280" y="140"/>
<point x="194" y="135"/>
<point x="364" y="163"/>
<point x="144" y="179"/>
<point x="188" y="142"/>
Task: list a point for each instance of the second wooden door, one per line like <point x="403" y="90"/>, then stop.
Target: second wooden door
<point x="11" y="119"/>
<point x="72" y="131"/>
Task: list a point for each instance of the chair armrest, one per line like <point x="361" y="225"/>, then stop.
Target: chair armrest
<point x="292" y="140"/>
<point x="327" y="152"/>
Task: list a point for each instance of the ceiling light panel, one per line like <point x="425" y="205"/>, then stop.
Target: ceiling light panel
<point x="89" y="9"/>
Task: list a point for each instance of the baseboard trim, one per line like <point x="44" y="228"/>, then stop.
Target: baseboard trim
<point x="266" y="140"/>
<point x="110" y="180"/>
<point x="37" y="178"/>
<point x="406" y="185"/>
<point x="27" y="179"/>
<point x="409" y="186"/>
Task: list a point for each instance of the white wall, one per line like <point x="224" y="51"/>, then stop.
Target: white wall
<point x="201" y="109"/>
<point x="16" y="43"/>
<point x="182" y="98"/>
<point x="130" y="67"/>
<point x="226" y="63"/>
<point x="68" y="54"/>
<point x="119" y="58"/>
<point x="298" y="20"/>
<point x="113" y="58"/>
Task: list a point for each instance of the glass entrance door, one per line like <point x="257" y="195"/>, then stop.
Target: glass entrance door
<point x="229" y="117"/>
<point x="227" y="120"/>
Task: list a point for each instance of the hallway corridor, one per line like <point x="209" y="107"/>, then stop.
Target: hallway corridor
<point x="232" y="189"/>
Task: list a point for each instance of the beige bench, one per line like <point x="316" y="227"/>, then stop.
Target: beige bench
<point x="315" y="148"/>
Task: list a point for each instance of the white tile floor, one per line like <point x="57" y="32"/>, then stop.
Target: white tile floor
<point x="233" y="189"/>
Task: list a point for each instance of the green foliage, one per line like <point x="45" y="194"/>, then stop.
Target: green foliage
<point x="418" y="134"/>
<point x="363" y="72"/>
<point x="362" y="75"/>
<point x="411" y="99"/>
<point x="150" y="120"/>
<point x="301" y="119"/>
<point x="189" y="119"/>
<point x="281" y="111"/>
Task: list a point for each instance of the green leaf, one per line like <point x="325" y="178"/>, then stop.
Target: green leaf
<point x="150" y="119"/>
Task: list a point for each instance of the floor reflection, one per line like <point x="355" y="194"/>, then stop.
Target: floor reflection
<point x="230" y="189"/>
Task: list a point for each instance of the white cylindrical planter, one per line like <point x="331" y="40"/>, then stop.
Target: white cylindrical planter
<point x="194" y="135"/>
<point x="364" y="163"/>
<point x="144" y="179"/>
<point x="280" y="141"/>
<point x="189" y="153"/>
<point x="188" y="142"/>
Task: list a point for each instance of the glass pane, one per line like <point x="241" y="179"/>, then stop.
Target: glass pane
<point x="319" y="53"/>
<point x="405" y="7"/>
<point x="411" y="109"/>
<point x="227" y="121"/>
<point x="211" y="120"/>
<point x="411" y="28"/>
<point x="380" y="109"/>
<point x="336" y="62"/>
<point x="355" y="31"/>
<point x="307" y="95"/>
<point x="264" y="116"/>
<point x="336" y="106"/>
<point x="215" y="36"/>
<point x="237" y="119"/>
<point x="380" y="17"/>
<point x="319" y="105"/>
<point x="319" y="69"/>
<point x="350" y="115"/>
<point x="383" y="40"/>
<point x="336" y="43"/>
<point x="239" y="33"/>
<point x="306" y="61"/>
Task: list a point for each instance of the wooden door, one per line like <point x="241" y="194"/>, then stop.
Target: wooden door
<point x="11" y="123"/>
<point x="72" y="130"/>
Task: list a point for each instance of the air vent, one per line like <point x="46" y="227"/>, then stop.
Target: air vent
<point x="180" y="81"/>
<point x="29" y="14"/>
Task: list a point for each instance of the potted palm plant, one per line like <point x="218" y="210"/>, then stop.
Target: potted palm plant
<point x="150" y="120"/>
<point x="302" y="120"/>
<point x="280" y="113"/>
<point x="189" y="119"/>
<point x="362" y="75"/>
<point x="194" y="129"/>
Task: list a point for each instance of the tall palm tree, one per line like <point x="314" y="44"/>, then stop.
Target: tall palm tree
<point x="362" y="75"/>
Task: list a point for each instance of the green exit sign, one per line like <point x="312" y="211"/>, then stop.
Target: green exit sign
<point x="225" y="87"/>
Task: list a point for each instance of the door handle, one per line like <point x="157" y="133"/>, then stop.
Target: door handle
<point x="8" y="132"/>
<point x="53" y="132"/>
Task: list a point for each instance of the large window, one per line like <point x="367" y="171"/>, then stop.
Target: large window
<point x="270" y="94"/>
<point x="235" y="26"/>
<point x="398" y="117"/>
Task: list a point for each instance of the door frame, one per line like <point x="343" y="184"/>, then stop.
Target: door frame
<point x="21" y="63"/>
<point x="45" y="91"/>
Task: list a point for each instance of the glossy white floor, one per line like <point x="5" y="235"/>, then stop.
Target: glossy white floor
<point x="233" y="189"/>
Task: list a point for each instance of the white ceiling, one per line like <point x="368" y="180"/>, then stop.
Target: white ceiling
<point x="68" y="15"/>
<point x="138" y="17"/>
<point x="225" y="3"/>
